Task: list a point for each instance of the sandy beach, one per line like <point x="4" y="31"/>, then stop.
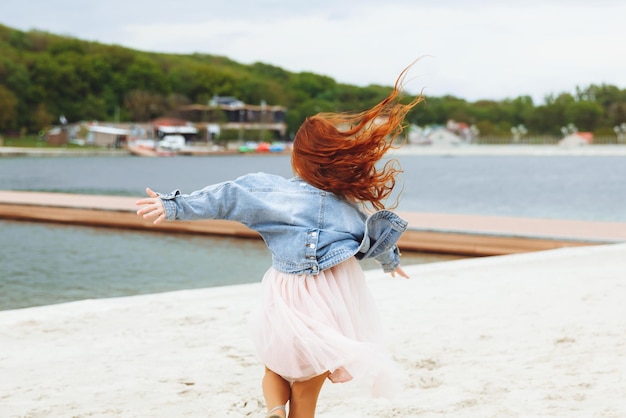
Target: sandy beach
<point x="538" y="334"/>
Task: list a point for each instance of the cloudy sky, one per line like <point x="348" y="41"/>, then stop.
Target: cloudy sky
<point x="484" y="49"/>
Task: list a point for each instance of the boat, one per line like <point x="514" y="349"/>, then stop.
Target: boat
<point x="151" y="148"/>
<point x="147" y="148"/>
<point x="263" y="147"/>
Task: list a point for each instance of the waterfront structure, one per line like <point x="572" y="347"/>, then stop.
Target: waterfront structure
<point x="229" y="113"/>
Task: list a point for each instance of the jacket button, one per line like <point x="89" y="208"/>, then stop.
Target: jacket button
<point x="311" y="245"/>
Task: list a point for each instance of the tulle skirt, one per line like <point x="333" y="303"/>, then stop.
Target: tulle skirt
<point x="308" y="325"/>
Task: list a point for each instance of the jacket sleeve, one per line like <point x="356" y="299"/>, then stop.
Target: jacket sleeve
<point x="390" y="259"/>
<point x="382" y="231"/>
<point x="219" y="201"/>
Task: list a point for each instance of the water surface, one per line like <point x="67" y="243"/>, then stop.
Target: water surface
<point x="44" y="263"/>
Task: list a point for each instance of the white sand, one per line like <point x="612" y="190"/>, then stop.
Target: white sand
<point x="530" y="335"/>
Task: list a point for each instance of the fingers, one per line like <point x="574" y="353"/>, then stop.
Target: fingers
<point x="151" y="199"/>
<point x="158" y="216"/>
<point x="400" y="273"/>
<point x="151" y="203"/>
<point x="146" y="201"/>
<point x="151" y="210"/>
<point x="148" y="204"/>
<point x="152" y="207"/>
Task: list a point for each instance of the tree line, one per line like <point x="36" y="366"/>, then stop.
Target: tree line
<point x="44" y="76"/>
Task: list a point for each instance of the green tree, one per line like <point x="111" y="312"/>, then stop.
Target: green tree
<point x="616" y="113"/>
<point x="143" y="105"/>
<point x="145" y="74"/>
<point x="94" y="108"/>
<point x="549" y="118"/>
<point x="54" y="75"/>
<point x="42" y="119"/>
<point x="585" y="114"/>
<point x="312" y="85"/>
<point x="8" y="104"/>
<point x="520" y="110"/>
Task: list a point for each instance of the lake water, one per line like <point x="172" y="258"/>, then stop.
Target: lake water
<point x="45" y="263"/>
<point x="562" y="187"/>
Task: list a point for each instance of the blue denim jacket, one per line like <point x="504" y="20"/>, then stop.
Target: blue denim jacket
<point x="306" y="229"/>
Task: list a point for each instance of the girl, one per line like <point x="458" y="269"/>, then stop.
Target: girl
<point x="317" y="319"/>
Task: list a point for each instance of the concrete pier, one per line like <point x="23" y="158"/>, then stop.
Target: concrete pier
<point x="428" y="232"/>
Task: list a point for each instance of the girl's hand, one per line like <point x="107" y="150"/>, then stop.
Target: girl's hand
<point x="400" y="273"/>
<point x="152" y="207"/>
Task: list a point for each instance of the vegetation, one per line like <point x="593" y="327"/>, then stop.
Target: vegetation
<point x="35" y="141"/>
<point x="44" y="76"/>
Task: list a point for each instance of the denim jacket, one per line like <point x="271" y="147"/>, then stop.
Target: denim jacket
<point x="306" y="229"/>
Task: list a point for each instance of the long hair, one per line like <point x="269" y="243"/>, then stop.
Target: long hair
<point x="338" y="152"/>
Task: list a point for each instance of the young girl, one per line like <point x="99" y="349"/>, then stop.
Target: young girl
<point x="317" y="319"/>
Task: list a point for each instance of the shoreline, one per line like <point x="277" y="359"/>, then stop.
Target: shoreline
<point x="515" y="150"/>
<point x="471" y="235"/>
<point x="462" y="150"/>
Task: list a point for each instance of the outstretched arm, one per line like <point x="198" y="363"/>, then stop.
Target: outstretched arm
<point x="152" y="207"/>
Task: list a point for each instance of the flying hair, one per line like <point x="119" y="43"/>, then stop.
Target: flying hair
<point x="339" y="152"/>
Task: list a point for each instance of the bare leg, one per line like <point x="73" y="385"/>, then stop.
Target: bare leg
<point x="304" y="396"/>
<point x="276" y="391"/>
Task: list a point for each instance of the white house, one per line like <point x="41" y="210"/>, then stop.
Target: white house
<point x="107" y="136"/>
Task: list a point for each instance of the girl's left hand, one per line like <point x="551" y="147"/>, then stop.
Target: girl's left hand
<point x="399" y="272"/>
<point x="152" y="207"/>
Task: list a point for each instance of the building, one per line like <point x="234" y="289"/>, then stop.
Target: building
<point x="107" y="136"/>
<point x="229" y="113"/>
<point x="577" y="139"/>
<point x="171" y="126"/>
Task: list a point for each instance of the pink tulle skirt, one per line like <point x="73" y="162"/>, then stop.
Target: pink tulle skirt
<point x="309" y="325"/>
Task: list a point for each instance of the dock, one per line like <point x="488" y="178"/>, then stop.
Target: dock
<point x="471" y="235"/>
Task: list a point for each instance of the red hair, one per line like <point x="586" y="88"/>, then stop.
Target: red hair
<point x="338" y="152"/>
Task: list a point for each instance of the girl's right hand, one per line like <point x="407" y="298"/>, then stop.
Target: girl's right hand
<point x="153" y="207"/>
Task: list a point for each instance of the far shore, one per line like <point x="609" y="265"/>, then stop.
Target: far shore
<point x="429" y="150"/>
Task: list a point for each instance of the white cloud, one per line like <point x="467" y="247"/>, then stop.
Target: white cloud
<point x="483" y="49"/>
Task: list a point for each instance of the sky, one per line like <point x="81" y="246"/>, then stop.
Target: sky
<point x="485" y="49"/>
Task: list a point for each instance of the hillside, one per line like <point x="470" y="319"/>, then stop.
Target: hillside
<point x="44" y="76"/>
